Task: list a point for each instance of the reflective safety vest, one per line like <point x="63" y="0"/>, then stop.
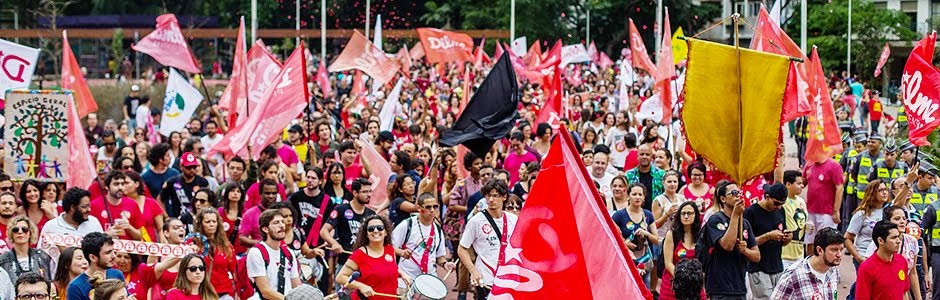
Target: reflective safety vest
<point x="866" y="165"/>
<point x="886" y="174"/>
<point x="920" y="199"/>
<point x="849" y="156"/>
<point x="902" y="116"/>
<point x="935" y="230"/>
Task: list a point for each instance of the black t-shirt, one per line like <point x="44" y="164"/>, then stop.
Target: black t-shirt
<point x="346" y="224"/>
<point x="764" y="221"/>
<point x="178" y="195"/>
<point x="646" y="179"/>
<point x="395" y="214"/>
<point x="307" y="209"/>
<point x="726" y="269"/>
<point x="130" y="104"/>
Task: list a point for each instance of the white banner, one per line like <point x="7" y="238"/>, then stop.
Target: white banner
<point x="179" y="103"/>
<point x="17" y="63"/>
<point x="574" y="54"/>
<point x="519" y="46"/>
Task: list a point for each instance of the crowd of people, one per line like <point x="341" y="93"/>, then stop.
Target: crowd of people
<point x="304" y="212"/>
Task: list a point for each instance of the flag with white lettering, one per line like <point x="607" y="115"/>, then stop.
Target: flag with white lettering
<point x="445" y="46"/>
<point x="920" y="87"/>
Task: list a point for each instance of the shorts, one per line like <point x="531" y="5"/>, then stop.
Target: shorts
<point x="818" y="221"/>
<point x="762" y="284"/>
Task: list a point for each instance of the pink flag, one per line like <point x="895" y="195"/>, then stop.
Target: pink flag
<point x="81" y="170"/>
<point x="404" y="58"/>
<point x="552" y="111"/>
<point x="323" y="80"/>
<point x="261" y="72"/>
<point x="362" y="55"/>
<point x="534" y="56"/>
<point x="72" y="79"/>
<point x="479" y="56"/>
<point x="823" y="138"/>
<point x="641" y="59"/>
<point x="881" y="60"/>
<point x="499" y="51"/>
<point x="237" y="89"/>
<point x="592" y="52"/>
<point x="417" y="51"/>
<point x="664" y="64"/>
<point x="380" y="169"/>
<point x="167" y="45"/>
<point x="287" y="98"/>
<point x="604" y="61"/>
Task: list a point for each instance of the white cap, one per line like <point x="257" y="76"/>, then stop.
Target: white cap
<point x="135" y="88"/>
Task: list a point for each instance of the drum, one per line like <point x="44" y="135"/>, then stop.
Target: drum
<point x="310" y="269"/>
<point x="427" y="286"/>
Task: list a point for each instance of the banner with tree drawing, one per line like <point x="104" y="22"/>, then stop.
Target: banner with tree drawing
<point x="36" y="130"/>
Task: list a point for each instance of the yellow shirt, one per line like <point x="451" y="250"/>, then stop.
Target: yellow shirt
<point x="794" y="211"/>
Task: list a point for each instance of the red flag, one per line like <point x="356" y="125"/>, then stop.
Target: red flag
<point x="604" y="61"/>
<point x="323" y="80"/>
<point x="404" y="58"/>
<point x="167" y="45"/>
<point x="499" y="51"/>
<point x="665" y="67"/>
<point x="445" y="46"/>
<point x="769" y="37"/>
<point x="592" y="52"/>
<point x="551" y="112"/>
<point x="480" y="55"/>
<point x="260" y="72"/>
<point x="883" y="59"/>
<point x="286" y="99"/>
<point x="920" y="87"/>
<point x="359" y="88"/>
<point x="81" y="168"/>
<point x="534" y="56"/>
<point x="381" y="172"/>
<point x="641" y="59"/>
<point x="565" y="245"/>
<point x="417" y="51"/>
<point x="552" y="58"/>
<point x="237" y="89"/>
<point x="824" y="140"/>
<point x="72" y="79"/>
<point x="362" y="55"/>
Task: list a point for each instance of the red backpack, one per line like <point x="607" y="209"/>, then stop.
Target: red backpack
<point x="244" y="287"/>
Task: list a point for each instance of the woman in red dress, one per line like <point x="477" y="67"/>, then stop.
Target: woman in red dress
<point x="191" y="283"/>
<point x="374" y="258"/>
<point x="679" y="245"/>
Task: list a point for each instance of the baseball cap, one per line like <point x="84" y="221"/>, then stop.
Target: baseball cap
<point x="776" y="191"/>
<point x="188" y="160"/>
<point x="296" y="128"/>
<point x="135" y="88"/>
<point x="385" y="136"/>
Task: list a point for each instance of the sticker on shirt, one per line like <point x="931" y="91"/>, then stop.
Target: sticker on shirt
<point x="333" y="214"/>
<point x="487" y="229"/>
<point x="104" y="214"/>
<point x="348" y="214"/>
<point x="388" y="258"/>
<point x="722" y="226"/>
<point x="226" y="226"/>
<point x="901" y="275"/>
<point x="125" y="215"/>
<point x="913" y="229"/>
<point x="871" y="224"/>
<point x="817" y="296"/>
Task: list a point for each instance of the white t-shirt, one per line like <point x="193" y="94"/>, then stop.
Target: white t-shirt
<point x="142" y="114"/>
<point x="604" y="183"/>
<point x="59" y="226"/>
<point x="618" y="148"/>
<point x="208" y="143"/>
<point x="419" y="236"/>
<point x="482" y="238"/>
<point x="257" y="268"/>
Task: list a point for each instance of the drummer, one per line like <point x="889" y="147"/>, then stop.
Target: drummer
<point x="419" y="242"/>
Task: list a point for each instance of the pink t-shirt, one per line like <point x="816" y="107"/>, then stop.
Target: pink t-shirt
<point x="249" y="225"/>
<point x="128" y="209"/>
<point x="254" y="194"/>
<point x="288" y="155"/>
<point x="821" y="182"/>
<point x="514" y="161"/>
<point x="353" y="171"/>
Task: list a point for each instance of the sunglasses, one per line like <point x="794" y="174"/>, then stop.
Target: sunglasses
<point x="6" y="189"/>
<point x="688" y="213"/>
<point x="190" y="167"/>
<point x="194" y="268"/>
<point x="734" y="193"/>
<point x="201" y="200"/>
<point x="110" y="144"/>
<point x="512" y="207"/>
<point x="376" y="228"/>
<point x="778" y="203"/>
<point x="435" y="206"/>
<point x="20" y="229"/>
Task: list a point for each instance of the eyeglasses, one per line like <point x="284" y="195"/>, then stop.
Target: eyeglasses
<point x="435" y="206"/>
<point x="190" y="167"/>
<point x="376" y="228"/>
<point x="194" y="268"/>
<point x="778" y="203"/>
<point x="687" y="213"/>
<point x="32" y="296"/>
<point x="512" y="207"/>
<point x="200" y="149"/>
<point x="19" y="229"/>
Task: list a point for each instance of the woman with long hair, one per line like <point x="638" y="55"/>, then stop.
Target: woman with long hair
<point x="527" y="176"/>
<point x="638" y="229"/>
<point x="38" y="210"/>
<point x="143" y="150"/>
<point x="232" y="196"/>
<point x="335" y="184"/>
<point x="222" y="263"/>
<point x="373" y="258"/>
<point x="403" y="204"/>
<point x="176" y="146"/>
<point x="666" y="205"/>
<point x="869" y="211"/>
<point x="202" y="199"/>
<point x="269" y="170"/>
<point x="107" y="289"/>
<point x="22" y="258"/>
<point x="588" y="138"/>
<point x="129" y="265"/>
<point x="679" y="244"/>
<point x="163" y="273"/>
<point x="191" y="283"/>
<point x="698" y="190"/>
<point x="129" y="152"/>
<point x="150" y="209"/>
<point x="71" y="263"/>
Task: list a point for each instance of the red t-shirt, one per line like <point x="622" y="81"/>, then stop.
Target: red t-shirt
<point x="821" y="182"/>
<point x="379" y="273"/>
<point x="632" y="160"/>
<point x="352" y="172"/>
<point x="880" y="279"/>
<point x="135" y="284"/>
<point x="176" y="294"/>
<point x="150" y="211"/>
<point x="254" y="194"/>
<point x="229" y="225"/>
<point x="223" y="273"/>
<point x="160" y="285"/>
<point x="874" y="109"/>
<point x="127" y="209"/>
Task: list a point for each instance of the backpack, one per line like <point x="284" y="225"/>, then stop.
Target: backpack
<point x="244" y="287"/>
<point x="704" y="246"/>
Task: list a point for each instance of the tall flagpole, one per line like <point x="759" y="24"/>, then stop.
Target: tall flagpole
<point x="254" y="20"/>
<point x="297" y="21"/>
<point x="657" y="32"/>
<point x="512" y="20"/>
<point x="323" y="31"/>
<point x="848" y="37"/>
<point x="587" y="39"/>
<point x="368" y="17"/>
<point x="802" y="25"/>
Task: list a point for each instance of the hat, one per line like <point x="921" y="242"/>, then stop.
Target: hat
<point x="135" y="88"/>
<point x="876" y="136"/>
<point x="304" y="292"/>
<point x="385" y="136"/>
<point x="776" y="191"/>
<point x="401" y="117"/>
<point x="928" y="168"/>
<point x="296" y="128"/>
<point x="188" y="160"/>
<point x="907" y="146"/>
<point x="861" y="137"/>
<point x="846" y="139"/>
<point x="891" y="147"/>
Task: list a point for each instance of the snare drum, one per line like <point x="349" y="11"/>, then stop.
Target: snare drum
<point x="427" y="286"/>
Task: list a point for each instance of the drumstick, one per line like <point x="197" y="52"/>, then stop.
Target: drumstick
<point x="324" y="262"/>
<point x="448" y="274"/>
<point x="347" y="252"/>
<point x="388" y="295"/>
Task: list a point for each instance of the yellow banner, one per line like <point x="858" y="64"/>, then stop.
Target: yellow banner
<point x="733" y="105"/>
<point x="680" y="50"/>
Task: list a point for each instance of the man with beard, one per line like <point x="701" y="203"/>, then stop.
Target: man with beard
<point x="309" y="202"/>
<point x="178" y="190"/>
<point x="7" y="212"/>
<point x="816" y="276"/>
<point x="266" y="260"/>
<point x="647" y="174"/>
<point x="98" y="249"/>
<point x="347" y="219"/>
<point x="76" y="204"/>
<point x="249" y="232"/>
<point x="120" y="216"/>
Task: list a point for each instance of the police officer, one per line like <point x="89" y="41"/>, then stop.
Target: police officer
<point x="924" y="192"/>
<point x="865" y="162"/>
<point x="924" y="189"/>
<point x="850" y="202"/>
<point x="890" y="168"/>
<point x="907" y="153"/>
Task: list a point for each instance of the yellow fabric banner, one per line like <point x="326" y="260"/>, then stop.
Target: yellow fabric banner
<point x="733" y="105"/>
<point x="680" y="50"/>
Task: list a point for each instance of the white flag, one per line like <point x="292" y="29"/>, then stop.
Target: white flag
<point x="180" y="102"/>
<point x="391" y="107"/>
<point x="651" y="108"/>
<point x="18" y="64"/>
<point x="519" y="46"/>
<point x="377" y="38"/>
<point x="574" y="54"/>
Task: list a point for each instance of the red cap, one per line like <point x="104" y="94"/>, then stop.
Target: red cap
<point x="188" y="160"/>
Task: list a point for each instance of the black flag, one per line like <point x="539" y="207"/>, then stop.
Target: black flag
<point x="489" y="114"/>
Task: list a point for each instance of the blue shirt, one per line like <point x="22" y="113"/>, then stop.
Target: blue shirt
<point x="155" y="181"/>
<point x="79" y="288"/>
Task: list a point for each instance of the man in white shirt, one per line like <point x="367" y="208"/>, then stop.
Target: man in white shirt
<point x="275" y="276"/>
<point x="599" y="173"/>
<point x="208" y="142"/>
<point x="142" y="113"/>
<point x="74" y="221"/>
<point x="420" y="242"/>
<point x="487" y="233"/>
